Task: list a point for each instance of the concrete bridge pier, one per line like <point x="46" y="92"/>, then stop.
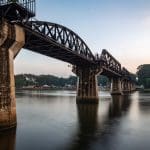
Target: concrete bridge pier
<point x="129" y="86"/>
<point x="12" y="39"/>
<point x="87" y="86"/>
<point x="126" y="87"/>
<point x="132" y="87"/>
<point x="116" y="86"/>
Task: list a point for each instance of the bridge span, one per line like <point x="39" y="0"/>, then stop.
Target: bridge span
<point x="18" y="30"/>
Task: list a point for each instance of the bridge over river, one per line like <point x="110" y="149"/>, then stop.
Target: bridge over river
<point x="19" y="30"/>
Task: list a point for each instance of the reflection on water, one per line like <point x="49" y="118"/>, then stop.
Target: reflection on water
<point x="118" y="105"/>
<point x="87" y="126"/>
<point x="8" y="140"/>
<point x="52" y="120"/>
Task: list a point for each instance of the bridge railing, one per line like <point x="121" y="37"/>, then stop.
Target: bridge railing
<point x="27" y="4"/>
<point x="108" y="61"/>
<point x="125" y="73"/>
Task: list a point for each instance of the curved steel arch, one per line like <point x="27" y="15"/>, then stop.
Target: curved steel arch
<point x="67" y="40"/>
<point x="62" y="35"/>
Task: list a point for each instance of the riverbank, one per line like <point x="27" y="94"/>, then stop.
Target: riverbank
<point x="146" y="90"/>
<point x="48" y="88"/>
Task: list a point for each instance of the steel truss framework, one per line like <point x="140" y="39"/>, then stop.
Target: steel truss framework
<point x="57" y="41"/>
<point x="67" y="41"/>
<point x="63" y="36"/>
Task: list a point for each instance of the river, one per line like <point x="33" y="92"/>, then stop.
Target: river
<point x="51" y="120"/>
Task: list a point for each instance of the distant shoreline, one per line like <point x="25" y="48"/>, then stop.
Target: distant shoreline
<point x="146" y="90"/>
<point x="42" y="89"/>
<point x="57" y="88"/>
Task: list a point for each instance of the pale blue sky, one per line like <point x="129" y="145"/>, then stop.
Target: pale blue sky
<point x="120" y="26"/>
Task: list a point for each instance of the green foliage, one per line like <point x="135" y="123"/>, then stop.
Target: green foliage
<point x="40" y="80"/>
<point x="23" y="80"/>
<point x="103" y="80"/>
<point x="143" y="74"/>
<point x="35" y="80"/>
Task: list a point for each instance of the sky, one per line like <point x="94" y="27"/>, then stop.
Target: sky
<point x="120" y="26"/>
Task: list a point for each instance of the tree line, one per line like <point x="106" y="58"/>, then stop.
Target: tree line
<point x="23" y="80"/>
<point x="143" y="75"/>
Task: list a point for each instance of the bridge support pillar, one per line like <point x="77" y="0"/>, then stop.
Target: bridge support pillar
<point x="11" y="41"/>
<point x="125" y="87"/>
<point x="116" y="86"/>
<point x="129" y="86"/>
<point x="87" y="88"/>
<point x="132" y="85"/>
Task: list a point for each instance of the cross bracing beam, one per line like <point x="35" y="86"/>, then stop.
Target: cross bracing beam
<point x="59" y="42"/>
<point x="59" y="35"/>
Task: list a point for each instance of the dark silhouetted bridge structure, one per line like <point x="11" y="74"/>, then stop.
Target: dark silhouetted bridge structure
<point x="18" y="30"/>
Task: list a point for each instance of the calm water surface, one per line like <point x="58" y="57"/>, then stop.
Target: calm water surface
<point x="51" y="120"/>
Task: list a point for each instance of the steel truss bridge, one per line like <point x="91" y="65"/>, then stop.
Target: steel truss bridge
<point x="19" y="30"/>
<point x="57" y="41"/>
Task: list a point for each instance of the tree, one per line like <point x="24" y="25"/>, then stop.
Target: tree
<point x="103" y="80"/>
<point x="40" y="80"/>
<point x="143" y="74"/>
